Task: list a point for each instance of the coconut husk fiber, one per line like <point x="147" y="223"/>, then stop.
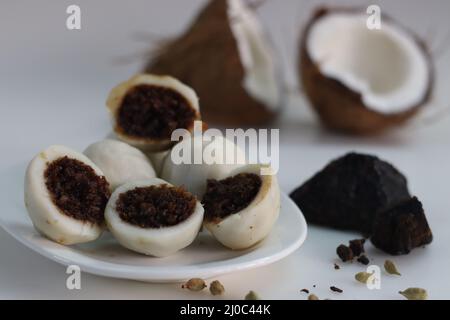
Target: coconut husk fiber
<point x="206" y="57"/>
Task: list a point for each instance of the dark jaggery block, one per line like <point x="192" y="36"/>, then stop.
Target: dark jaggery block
<point x="401" y="228"/>
<point x="349" y="192"/>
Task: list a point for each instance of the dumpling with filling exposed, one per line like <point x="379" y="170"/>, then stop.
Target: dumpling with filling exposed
<point x="153" y="217"/>
<point x="66" y="195"/>
<point x="242" y="209"/>
<point x="147" y="109"/>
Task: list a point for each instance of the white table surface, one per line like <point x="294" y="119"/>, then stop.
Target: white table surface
<point x="53" y="84"/>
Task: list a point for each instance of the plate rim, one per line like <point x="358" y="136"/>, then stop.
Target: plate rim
<point x="148" y="274"/>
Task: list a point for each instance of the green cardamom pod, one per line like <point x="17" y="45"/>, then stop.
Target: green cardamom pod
<point x="390" y="268"/>
<point x="195" y="284"/>
<point x="216" y="288"/>
<point x="313" y="297"/>
<point x="252" y="296"/>
<point x="363" y="277"/>
<point x="415" y="294"/>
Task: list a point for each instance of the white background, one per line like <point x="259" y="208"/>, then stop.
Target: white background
<point x="53" y="86"/>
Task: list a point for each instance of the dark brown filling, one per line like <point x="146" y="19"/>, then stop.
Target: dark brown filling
<point x="229" y="196"/>
<point x="155" y="206"/>
<point x="77" y="190"/>
<point x="154" y="112"/>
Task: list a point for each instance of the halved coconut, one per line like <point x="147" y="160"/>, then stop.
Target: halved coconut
<point x="241" y="210"/>
<point x="120" y="162"/>
<point x="66" y="195"/>
<point x="227" y="58"/>
<point x="153" y="217"/>
<point x="193" y="170"/>
<point x="360" y="80"/>
<point x="147" y="108"/>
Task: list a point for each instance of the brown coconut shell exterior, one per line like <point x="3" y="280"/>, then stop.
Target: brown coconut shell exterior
<point x="206" y="58"/>
<point x="340" y="108"/>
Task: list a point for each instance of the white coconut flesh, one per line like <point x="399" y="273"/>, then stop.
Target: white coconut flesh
<point x="249" y="226"/>
<point x="181" y="167"/>
<point x="158" y="242"/>
<point x="387" y="67"/>
<point x="257" y="56"/>
<point x="120" y="162"/>
<point x="46" y="216"/>
<point x="119" y="93"/>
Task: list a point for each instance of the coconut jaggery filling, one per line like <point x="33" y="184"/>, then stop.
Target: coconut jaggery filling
<point x="231" y="195"/>
<point x="77" y="190"/>
<point x="156" y="206"/>
<point x="154" y="112"/>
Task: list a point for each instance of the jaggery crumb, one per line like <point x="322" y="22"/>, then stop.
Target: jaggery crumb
<point x="415" y="294"/>
<point x="231" y="195"/>
<point x="77" y="190"/>
<point x="336" y="289"/>
<point x="363" y="260"/>
<point x="357" y="246"/>
<point x="155" y="206"/>
<point x="150" y="111"/>
<point x="344" y="253"/>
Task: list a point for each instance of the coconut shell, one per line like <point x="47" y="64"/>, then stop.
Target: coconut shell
<point x="206" y="57"/>
<point x="339" y="107"/>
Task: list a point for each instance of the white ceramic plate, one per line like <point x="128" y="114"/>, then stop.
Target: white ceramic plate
<point x="205" y="258"/>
